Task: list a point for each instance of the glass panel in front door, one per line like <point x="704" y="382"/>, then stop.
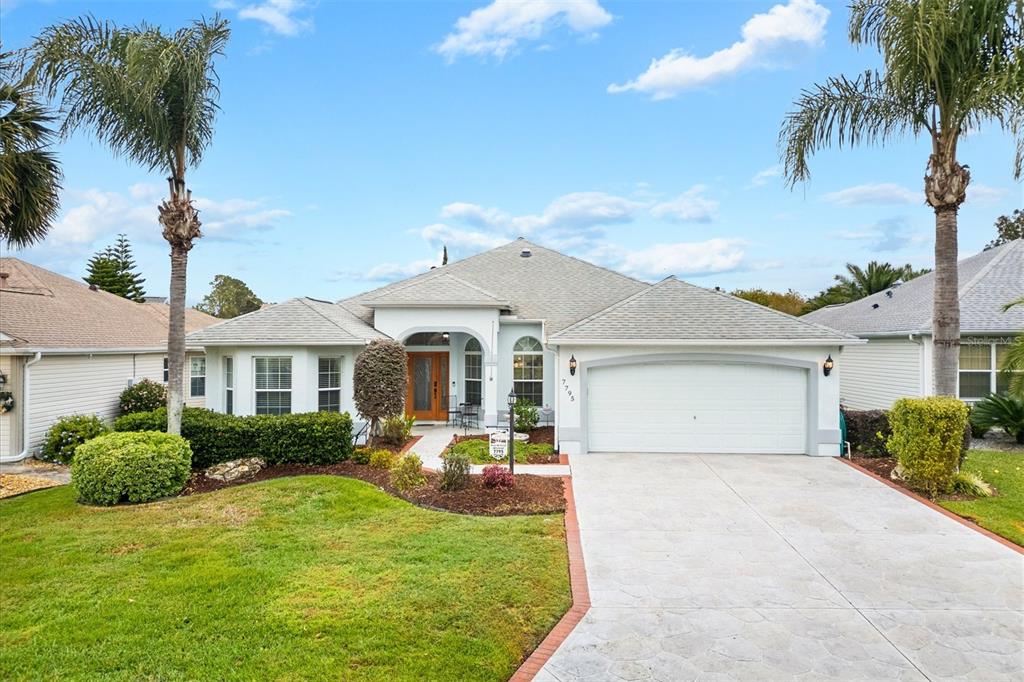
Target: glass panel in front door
<point x="423" y="376"/>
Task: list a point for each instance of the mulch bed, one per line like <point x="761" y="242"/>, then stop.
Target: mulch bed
<point x="883" y="466"/>
<point x="18" y="484"/>
<point x="531" y="494"/>
<point x="543" y="434"/>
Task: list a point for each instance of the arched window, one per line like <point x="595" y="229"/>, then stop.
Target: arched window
<point x="474" y="371"/>
<point x="528" y="370"/>
<point x="428" y="339"/>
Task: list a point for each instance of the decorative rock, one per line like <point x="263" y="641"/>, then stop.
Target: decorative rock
<point x="235" y="469"/>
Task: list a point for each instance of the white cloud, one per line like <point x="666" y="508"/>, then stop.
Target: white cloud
<point x="279" y="16"/>
<point x="888" y="235"/>
<point x="764" y="36"/>
<point x="684" y="258"/>
<point x="497" y="29"/>
<point x="873" y="194"/>
<point x="439" y="234"/>
<point x="690" y="206"/>
<point x="386" y="272"/>
<point x="571" y="211"/>
<point x="983" y="194"/>
<point x="762" y="177"/>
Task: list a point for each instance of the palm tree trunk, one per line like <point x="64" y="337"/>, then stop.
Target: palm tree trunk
<point x="176" y="339"/>
<point x="946" y="304"/>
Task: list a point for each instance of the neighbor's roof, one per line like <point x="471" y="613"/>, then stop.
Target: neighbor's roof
<point x="443" y="289"/>
<point x="988" y="281"/>
<point x="673" y="311"/>
<point x="301" y="321"/>
<point x="546" y="286"/>
<point x="40" y="309"/>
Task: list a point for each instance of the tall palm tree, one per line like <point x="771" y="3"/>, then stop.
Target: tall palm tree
<point x="950" y="66"/>
<point x="860" y="282"/>
<point x="29" y="174"/>
<point x="151" y="97"/>
<point x="1014" y="358"/>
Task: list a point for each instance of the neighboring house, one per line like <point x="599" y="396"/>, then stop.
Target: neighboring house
<point x="66" y="348"/>
<point x="897" y="360"/>
<point x="619" y="364"/>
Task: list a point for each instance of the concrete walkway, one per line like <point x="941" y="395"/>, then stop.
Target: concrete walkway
<point x="434" y="440"/>
<point x="776" y="567"/>
<point x="31" y="467"/>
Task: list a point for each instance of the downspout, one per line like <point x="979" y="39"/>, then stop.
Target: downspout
<point x="24" y="410"/>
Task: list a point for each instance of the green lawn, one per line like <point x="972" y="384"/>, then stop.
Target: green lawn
<point x="294" y="578"/>
<point x="1003" y="514"/>
<point x="479" y="451"/>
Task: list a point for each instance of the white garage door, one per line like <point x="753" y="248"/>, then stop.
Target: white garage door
<point x="697" y="408"/>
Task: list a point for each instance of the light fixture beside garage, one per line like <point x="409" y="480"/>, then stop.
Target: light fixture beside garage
<point x="572" y="365"/>
<point x="827" y="366"/>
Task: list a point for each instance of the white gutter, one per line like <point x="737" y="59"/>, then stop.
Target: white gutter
<point x="24" y="411"/>
<point x="705" y="342"/>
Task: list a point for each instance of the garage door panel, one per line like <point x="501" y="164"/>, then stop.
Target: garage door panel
<point x="687" y="407"/>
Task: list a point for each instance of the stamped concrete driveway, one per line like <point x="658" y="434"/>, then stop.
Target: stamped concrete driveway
<point x="781" y="567"/>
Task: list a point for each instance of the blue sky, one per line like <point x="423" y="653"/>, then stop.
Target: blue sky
<point x="357" y="138"/>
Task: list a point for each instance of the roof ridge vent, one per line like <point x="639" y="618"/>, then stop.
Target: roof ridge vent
<point x="525" y="253"/>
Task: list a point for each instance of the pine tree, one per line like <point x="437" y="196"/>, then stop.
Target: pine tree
<point x="113" y="270"/>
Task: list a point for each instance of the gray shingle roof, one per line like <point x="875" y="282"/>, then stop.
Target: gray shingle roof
<point x="548" y="285"/>
<point x="439" y="288"/>
<point x="988" y="281"/>
<point x="672" y="310"/>
<point x="304" y="321"/>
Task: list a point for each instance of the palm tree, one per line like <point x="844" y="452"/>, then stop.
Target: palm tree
<point x="1014" y="359"/>
<point x="29" y="174"/>
<point x="950" y="66"/>
<point x="151" y="97"/>
<point x="860" y="282"/>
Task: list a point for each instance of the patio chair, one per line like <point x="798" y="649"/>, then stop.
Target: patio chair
<point x="454" y="411"/>
<point x="470" y="416"/>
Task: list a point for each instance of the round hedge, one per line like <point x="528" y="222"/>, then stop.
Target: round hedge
<point x="64" y="437"/>
<point x="130" y="467"/>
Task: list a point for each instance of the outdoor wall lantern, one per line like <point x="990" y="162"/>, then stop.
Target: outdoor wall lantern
<point x="572" y="365"/>
<point x="3" y="380"/>
<point x="828" y="365"/>
<point x="512" y="431"/>
<point x="445" y="336"/>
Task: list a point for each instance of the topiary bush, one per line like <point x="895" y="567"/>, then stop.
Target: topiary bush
<point x="68" y="433"/>
<point x="454" y="472"/>
<point x="527" y="415"/>
<point x="396" y="429"/>
<point x="379" y="380"/>
<point x="497" y="476"/>
<point x="130" y="467"/>
<point x="867" y="431"/>
<point x="407" y="473"/>
<point x="306" y="438"/>
<point x="382" y="459"/>
<point x="927" y="440"/>
<point x="143" y="396"/>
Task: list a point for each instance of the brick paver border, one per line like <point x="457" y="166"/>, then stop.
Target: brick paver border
<point x="580" y="594"/>
<point x="931" y="505"/>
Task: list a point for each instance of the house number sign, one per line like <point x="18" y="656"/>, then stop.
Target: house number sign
<point x="568" y="391"/>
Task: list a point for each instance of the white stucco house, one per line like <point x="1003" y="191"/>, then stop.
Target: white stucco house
<point x="897" y="323"/>
<point x="67" y="349"/>
<point x="621" y="365"/>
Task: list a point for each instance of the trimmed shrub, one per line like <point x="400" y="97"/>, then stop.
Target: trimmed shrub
<point x="361" y="455"/>
<point x="454" y="472"/>
<point x="144" y="396"/>
<point x="407" y="473"/>
<point x="927" y="440"/>
<point x="497" y="476"/>
<point x="307" y="438"/>
<point x="396" y="429"/>
<point x="382" y="459"/>
<point x="868" y="431"/>
<point x="68" y="433"/>
<point x="130" y="467"/>
<point x="379" y="380"/>
<point x="527" y="415"/>
<point x="1002" y="410"/>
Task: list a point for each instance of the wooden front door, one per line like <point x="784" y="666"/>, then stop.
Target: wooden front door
<point x="428" y="385"/>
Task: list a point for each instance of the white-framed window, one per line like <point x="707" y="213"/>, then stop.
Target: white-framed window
<point x="980" y="363"/>
<point x="329" y="384"/>
<point x="273" y="385"/>
<point x="528" y="370"/>
<point x="473" y="361"/>
<point x="197" y="376"/>
<point x="167" y="370"/>
<point x="229" y="385"/>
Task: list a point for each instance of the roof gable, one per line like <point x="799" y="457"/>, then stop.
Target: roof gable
<point x="672" y="310"/>
<point x="988" y="281"/>
<point x="440" y="289"/>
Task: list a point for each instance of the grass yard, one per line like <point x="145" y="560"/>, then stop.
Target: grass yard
<point x="478" y="451"/>
<point x="1003" y="514"/>
<point x="293" y="578"/>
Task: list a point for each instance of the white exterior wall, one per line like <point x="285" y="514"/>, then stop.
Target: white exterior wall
<point x="11" y="422"/>
<point x="508" y="334"/>
<point x="880" y="372"/>
<point x="305" y="375"/>
<point x="570" y="419"/>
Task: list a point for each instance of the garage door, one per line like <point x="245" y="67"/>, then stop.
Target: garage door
<point x="697" y="408"/>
